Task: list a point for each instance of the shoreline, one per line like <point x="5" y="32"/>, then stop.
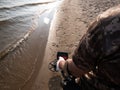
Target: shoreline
<point x="69" y="24"/>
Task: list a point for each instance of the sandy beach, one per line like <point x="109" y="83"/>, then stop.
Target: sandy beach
<point x="69" y="24"/>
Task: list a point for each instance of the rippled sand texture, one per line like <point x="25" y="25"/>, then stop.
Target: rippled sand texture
<point x="18" y="19"/>
<point x="18" y="66"/>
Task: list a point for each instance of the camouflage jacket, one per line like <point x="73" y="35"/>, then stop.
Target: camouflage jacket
<point x="99" y="51"/>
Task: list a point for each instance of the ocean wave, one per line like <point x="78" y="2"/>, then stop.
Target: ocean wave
<point x="18" y="22"/>
<point x="18" y="31"/>
<point x="17" y="17"/>
<point x="13" y="10"/>
<point x="17" y="12"/>
<point x="23" y="5"/>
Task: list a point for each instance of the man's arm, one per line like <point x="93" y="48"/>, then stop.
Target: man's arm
<point x="73" y="69"/>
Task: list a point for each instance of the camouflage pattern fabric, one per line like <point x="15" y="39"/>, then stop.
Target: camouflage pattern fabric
<point x="99" y="50"/>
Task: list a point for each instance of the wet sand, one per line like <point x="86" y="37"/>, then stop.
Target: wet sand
<point x="18" y="19"/>
<point x="39" y="79"/>
<point x="19" y="68"/>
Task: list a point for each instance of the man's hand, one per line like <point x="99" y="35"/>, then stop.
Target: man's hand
<point x="70" y="67"/>
<point x="60" y="64"/>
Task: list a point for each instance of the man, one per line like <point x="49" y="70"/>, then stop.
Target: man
<point x="97" y="59"/>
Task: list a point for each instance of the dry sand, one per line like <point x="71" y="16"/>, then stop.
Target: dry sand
<point x="70" y="23"/>
<point x="72" y="20"/>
